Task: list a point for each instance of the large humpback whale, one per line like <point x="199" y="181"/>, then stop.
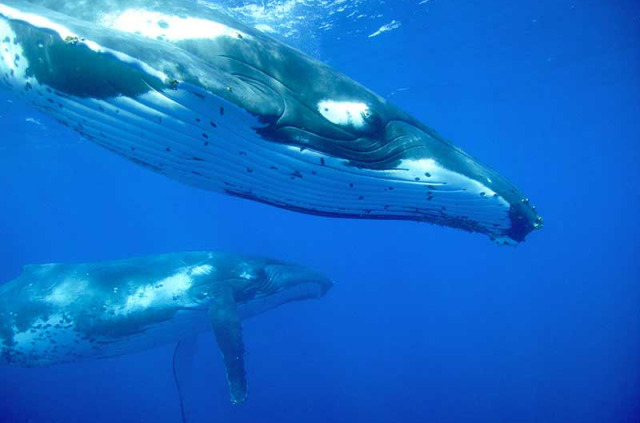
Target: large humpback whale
<point x="57" y="313"/>
<point x="195" y="95"/>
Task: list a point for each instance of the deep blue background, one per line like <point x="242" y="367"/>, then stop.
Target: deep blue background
<point x="425" y="324"/>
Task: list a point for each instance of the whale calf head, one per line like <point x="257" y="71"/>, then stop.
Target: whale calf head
<point x="267" y="284"/>
<point x="296" y="282"/>
<point x="205" y="100"/>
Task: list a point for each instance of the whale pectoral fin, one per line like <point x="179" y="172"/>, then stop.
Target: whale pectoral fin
<point x="183" y="372"/>
<point x="228" y="330"/>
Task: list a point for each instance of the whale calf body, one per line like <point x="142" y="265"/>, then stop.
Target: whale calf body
<point x="60" y="313"/>
<point x="190" y="93"/>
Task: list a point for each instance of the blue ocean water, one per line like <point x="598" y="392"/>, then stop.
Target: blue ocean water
<point x="425" y="324"/>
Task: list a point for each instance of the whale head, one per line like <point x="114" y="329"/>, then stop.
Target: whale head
<point x="296" y="282"/>
<point x="271" y="283"/>
<point x="381" y="163"/>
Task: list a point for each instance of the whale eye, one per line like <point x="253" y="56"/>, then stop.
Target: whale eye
<point x="373" y="119"/>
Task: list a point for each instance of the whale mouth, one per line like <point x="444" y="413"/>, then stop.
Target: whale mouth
<point x="299" y="292"/>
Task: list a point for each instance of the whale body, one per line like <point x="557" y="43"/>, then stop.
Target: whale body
<point x="61" y="313"/>
<point x="192" y="94"/>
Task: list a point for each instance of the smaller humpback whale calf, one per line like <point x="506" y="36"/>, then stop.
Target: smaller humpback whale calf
<point x="194" y="95"/>
<point x="59" y="313"/>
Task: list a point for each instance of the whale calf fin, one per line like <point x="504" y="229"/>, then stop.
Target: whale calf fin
<point x="228" y="330"/>
<point x="183" y="373"/>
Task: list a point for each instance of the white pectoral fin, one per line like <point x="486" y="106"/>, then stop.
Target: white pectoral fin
<point x="183" y="373"/>
<point x="228" y="331"/>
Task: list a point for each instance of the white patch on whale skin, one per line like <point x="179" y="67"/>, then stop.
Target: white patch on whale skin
<point x="248" y="275"/>
<point x="157" y="25"/>
<point x="204" y="269"/>
<point x="125" y="58"/>
<point x="438" y="175"/>
<point x="162" y="293"/>
<point x="9" y="51"/>
<point x="459" y="194"/>
<point x="67" y="292"/>
<point x="344" y="113"/>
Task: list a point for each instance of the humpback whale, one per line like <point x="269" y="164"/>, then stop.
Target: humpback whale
<point x="59" y="313"/>
<point x="195" y="95"/>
